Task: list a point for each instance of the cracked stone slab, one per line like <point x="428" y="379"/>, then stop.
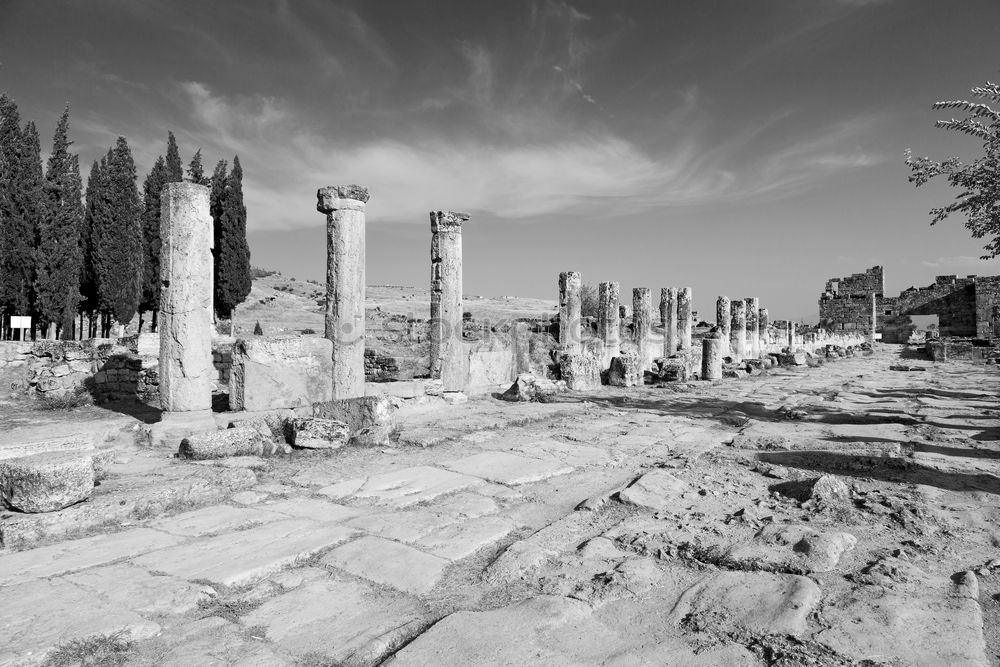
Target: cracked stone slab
<point x="74" y="555"/>
<point x="214" y="519"/>
<point x="391" y="563"/>
<point x="317" y="510"/>
<point x="346" y="622"/>
<point x="656" y="490"/>
<point x="573" y="455"/>
<point x="509" y="469"/>
<point x="137" y="590"/>
<point x="459" y="540"/>
<point x="233" y="559"/>
<point x="38" y="615"/>
<point x="402" y="488"/>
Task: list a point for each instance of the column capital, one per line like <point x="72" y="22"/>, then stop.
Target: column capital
<point x="331" y="198"/>
<point x="446" y="220"/>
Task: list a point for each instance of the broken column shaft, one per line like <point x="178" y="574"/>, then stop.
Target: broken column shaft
<point x="712" y="352"/>
<point x="608" y="320"/>
<point x="185" y="320"/>
<point x="344" y="206"/>
<point x="753" y="326"/>
<point x="668" y="313"/>
<point x="570" y="303"/>
<point x="874" y="318"/>
<point x="447" y="352"/>
<point x="684" y="323"/>
<point x="723" y="317"/>
<point x="791" y="335"/>
<point x="738" y="333"/>
<point x="763" y="322"/>
<point x="642" y="316"/>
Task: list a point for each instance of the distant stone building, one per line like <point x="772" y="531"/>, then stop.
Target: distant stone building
<point x="966" y="307"/>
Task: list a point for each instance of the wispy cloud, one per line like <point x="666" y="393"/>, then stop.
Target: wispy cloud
<point x="962" y="262"/>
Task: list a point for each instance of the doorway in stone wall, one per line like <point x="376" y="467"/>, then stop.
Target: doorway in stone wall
<point x="924" y="326"/>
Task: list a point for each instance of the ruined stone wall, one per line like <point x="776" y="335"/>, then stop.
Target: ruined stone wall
<point x="988" y="307"/>
<point x="858" y="284"/>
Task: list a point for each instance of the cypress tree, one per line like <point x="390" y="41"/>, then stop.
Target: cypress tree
<point x="196" y="172"/>
<point x="93" y="222"/>
<point x="218" y="185"/>
<point x="232" y="255"/>
<point x="119" y="251"/>
<point x="152" y="187"/>
<point x="175" y="171"/>
<point x="57" y="282"/>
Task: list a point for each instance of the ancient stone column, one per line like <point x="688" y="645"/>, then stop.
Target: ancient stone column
<point x="712" y="352"/>
<point x="763" y="322"/>
<point x="642" y="317"/>
<point x="753" y="326"/>
<point x="874" y="322"/>
<point x="684" y="323"/>
<point x="723" y="320"/>
<point x="344" y="206"/>
<point x="738" y="333"/>
<point x="668" y="313"/>
<point x="521" y="340"/>
<point x="570" y="287"/>
<point x="185" y="320"/>
<point x="791" y="335"/>
<point x="608" y="320"/>
<point x="448" y="359"/>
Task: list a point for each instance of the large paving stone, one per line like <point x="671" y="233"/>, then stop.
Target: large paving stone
<point x="321" y="511"/>
<point x="760" y="602"/>
<point x="37" y="616"/>
<point x="656" y="490"/>
<point x="74" y="555"/>
<point x="459" y="540"/>
<point x="570" y="454"/>
<point x="412" y="524"/>
<point x="390" y="563"/>
<point x="402" y="488"/>
<point x="46" y="482"/>
<point x="215" y="642"/>
<point x="348" y="623"/>
<point x="233" y="559"/>
<point x="214" y="519"/>
<point x="137" y="590"/>
<point x="509" y="469"/>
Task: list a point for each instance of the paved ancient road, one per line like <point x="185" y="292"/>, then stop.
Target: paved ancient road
<point x="681" y="525"/>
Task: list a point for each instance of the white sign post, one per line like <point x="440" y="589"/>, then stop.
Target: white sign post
<point x="20" y="323"/>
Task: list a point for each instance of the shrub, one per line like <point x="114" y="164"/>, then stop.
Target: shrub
<point x="307" y="332"/>
<point x="257" y="272"/>
<point x="67" y="401"/>
<point x="257" y="330"/>
<point x="588" y="300"/>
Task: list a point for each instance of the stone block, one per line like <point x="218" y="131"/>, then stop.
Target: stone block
<point x="581" y="370"/>
<point x="527" y="387"/>
<point x="282" y="372"/>
<point x="371" y="420"/>
<point x="317" y="433"/>
<point x="46" y="482"/>
<point x="239" y="441"/>
<point x="625" y="370"/>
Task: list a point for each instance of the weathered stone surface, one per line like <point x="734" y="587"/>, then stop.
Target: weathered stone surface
<point x="738" y="330"/>
<point x="655" y="490"/>
<point x="642" y="320"/>
<point x="349" y="623"/>
<point x="234" y="559"/>
<point x="509" y="469"/>
<point x="668" y="313"/>
<point x="569" y="453"/>
<point x="608" y="320"/>
<point x="137" y="590"/>
<point x="80" y="554"/>
<point x="317" y="433"/>
<point x="214" y="519"/>
<point x="684" y="319"/>
<point x="344" y="206"/>
<point x="792" y="548"/>
<point x="320" y="511"/>
<point x="760" y="602"/>
<point x="185" y="321"/>
<point x="570" y="303"/>
<point x="753" y="326"/>
<point x="625" y="370"/>
<point x="371" y="420"/>
<point x="390" y="563"/>
<point x="402" y="488"/>
<point x="447" y="353"/>
<point x="463" y="539"/>
<point x="46" y="482"/>
<point x="712" y="351"/>
<point x="527" y="387"/>
<point x="280" y="372"/>
<point x="215" y="642"/>
<point x="581" y="371"/>
<point x="37" y="616"/>
<point x="238" y="441"/>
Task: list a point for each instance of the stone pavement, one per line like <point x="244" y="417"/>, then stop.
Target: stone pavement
<point x="674" y="525"/>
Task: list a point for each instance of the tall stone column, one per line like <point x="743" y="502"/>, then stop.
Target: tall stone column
<point x="570" y="303"/>
<point x="448" y="359"/>
<point x="791" y="335"/>
<point x="723" y="320"/>
<point x="753" y="326"/>
<point x="874" y="322"/>
<point x="185" y="319"/>
<point x="738" y="334"/>
<point x="763" y="322"/>
<point x="668" y="313"/>
<point x="608" y="320"/>
<point x="642" y="317"/>
<point x="521" y="340"/>
<point x="712" y="352"/>
<point x="684" y="323"/>
<point x="344" y="206"/>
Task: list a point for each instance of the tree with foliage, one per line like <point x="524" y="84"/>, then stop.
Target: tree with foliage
<point x="232" y="254"/>
<point x="152" y="187"/>
<point x="196" y="172"/>
<point x="58" y="256"/>
<point x="175" y="171"/>
<point x="978" y="181"/>
<point x="20" y="209"/>
<point x="90" y="240"/>
<point x="120" y="252"/>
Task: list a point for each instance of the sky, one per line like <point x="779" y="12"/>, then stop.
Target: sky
<point x="739" y="148"/>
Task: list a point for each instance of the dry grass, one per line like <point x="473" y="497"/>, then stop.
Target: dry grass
<point x="96" y="651"/>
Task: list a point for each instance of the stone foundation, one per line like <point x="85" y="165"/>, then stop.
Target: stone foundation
<point x="283" y="372"/>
